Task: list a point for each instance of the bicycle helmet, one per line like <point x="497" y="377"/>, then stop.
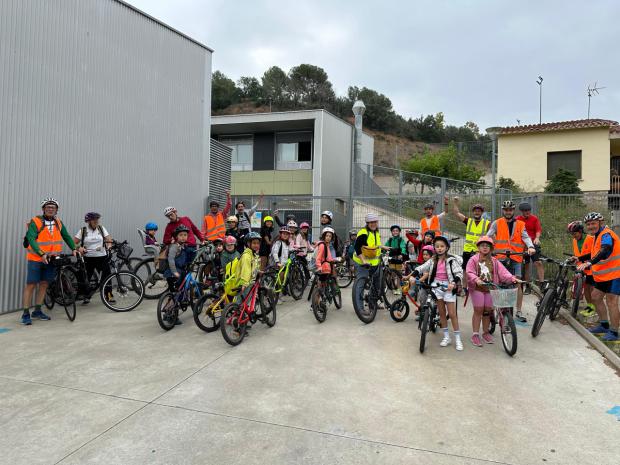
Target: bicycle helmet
<point x="49" y="201"/>
<point x="179" y="229"/>
<point x="328" y="213"/>
<point x="326" y="230"/>
<point x="525" y="207"/>
<point x="371" y="217"/>
<point x="430" y="233"/>
<point x="508" y="205"/>
<point x="304" y="225"/>
<point x="91" y="216"/>
<point x="267" y="218"/>
<point x="485" y="240"/>
<point x="574" y="226"/>
<point x="169" y="210"/>
<point x="395" y="226"/>
<point x="251" y="236"/>
<point x="352" y="232"/>
<point x="430" y="248"/>
<point x="429" y="205"/>
<point x="593" y="216"/>
<point x="230" y="240"/>
<point x="284" y="229"/>
<point x="232" y="219"/>
<point x="150" y="227"/>
<point x="442" y="239"/>
<point x="292" y="224"/>
<point x="477" y="206"/>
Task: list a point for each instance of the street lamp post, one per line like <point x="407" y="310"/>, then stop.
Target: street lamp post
<point x="539" y="81"/>
<point x="358" y="110"/>
<point x="492" y="132"/>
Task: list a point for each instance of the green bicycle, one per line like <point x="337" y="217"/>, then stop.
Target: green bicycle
<point x="290" y="278"/>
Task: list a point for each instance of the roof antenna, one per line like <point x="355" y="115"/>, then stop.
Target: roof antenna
<point x="592" y="91"/>
<point x="518" y="122"/>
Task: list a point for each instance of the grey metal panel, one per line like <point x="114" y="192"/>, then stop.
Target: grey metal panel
<point x="219" y="171"/>
<point x="104" y="109"/>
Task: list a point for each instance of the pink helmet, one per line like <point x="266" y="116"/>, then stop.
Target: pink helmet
<point x="430" y="248"/>
<point x="485" y="239"/>
<point x="304" y="225"/>
<point x="230" y="240"/>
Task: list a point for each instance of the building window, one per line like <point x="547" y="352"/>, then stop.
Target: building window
<point x="568" y="161"/>
<point x="242" y="156"/>
<point x="294" y="150"/>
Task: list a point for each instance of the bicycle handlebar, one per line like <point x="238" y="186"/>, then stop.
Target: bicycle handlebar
<point x="424" y="285"/>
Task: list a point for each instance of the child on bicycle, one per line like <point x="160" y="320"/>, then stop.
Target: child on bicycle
<point x="280" y="248"/>
<point x="249" y="265"/>
<point x="481" y="268"/>
<point x="217" y="259"/>
<point x="446" y="272"/>
<point x="178" y="259"/>
<point x="303" y="243"/>
<point x="427" y="253"/>
<point x="151" y="230"/>
<point x="266" y="241"/>
<point x="230" y="251"/>
<point x="582" y="245"/>
<point x="324" y="258"/>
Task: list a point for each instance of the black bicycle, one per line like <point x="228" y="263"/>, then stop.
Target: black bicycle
<point x="429" y="317"/>
<point x="62" y="289"/>
<point x="555" y="296"/>
<point x="369" y="291"/>
<point x="324" y="294"/>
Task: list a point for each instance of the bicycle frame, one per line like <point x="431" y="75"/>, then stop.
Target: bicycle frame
<point x="248" y="304"/>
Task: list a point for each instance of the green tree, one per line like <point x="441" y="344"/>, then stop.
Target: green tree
<point x="224" y="92"/>
<point x="564" y="182"/>
<point x="379" y="114"/>
<point x="275" y="85"/>
<point x="250" y="88"/>
<point x="508" y="183"/>
<point x="309" y="86"/>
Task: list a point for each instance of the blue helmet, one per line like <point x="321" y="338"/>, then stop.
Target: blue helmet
<point x="150" y="227"/>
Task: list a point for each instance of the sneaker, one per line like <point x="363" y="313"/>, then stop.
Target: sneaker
<point x="110" y="298"/>
<point x="600" y="329"/>
<point x="445" y="341"/>
<point x="521" y="317"/>
<point x="609" y="337"/>
<point x="38" y="314"/>
<point x="26" y="319"/>
<point x="458" y="343"/>
<point x="588" y="311"/>
<point x="488" y="338"/>
<point x="475" y="340"/>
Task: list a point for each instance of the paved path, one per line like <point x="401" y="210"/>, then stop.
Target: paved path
<point x="115" y="389"/>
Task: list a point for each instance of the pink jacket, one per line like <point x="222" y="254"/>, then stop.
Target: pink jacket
<point x="500" y="273"/>
<point x="323" y="258"/>
<point x="301" y="242"/>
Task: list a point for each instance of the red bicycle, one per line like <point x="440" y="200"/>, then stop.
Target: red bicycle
<point x="236" y="316"/>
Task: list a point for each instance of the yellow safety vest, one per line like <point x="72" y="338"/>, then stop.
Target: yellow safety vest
<point x="374" y="240"/>
<point x="473" y="233"/>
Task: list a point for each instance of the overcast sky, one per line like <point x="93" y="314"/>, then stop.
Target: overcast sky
<point x="472" y="60"/>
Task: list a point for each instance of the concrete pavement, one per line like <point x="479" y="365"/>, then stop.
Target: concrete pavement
<point x="116" y="389"/>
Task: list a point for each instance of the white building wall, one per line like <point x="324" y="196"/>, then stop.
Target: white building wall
<point x="335" y="168"/>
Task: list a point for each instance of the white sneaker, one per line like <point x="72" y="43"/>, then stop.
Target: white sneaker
<point x="445" y="341"/>
<point x="458" y="343"/>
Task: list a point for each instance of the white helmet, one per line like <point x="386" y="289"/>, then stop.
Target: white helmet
<point x="327" y="229"/>
<point x="49" y="200"/>
<point x="328" y="213"/>
<point x="370" y="217"/>
<point x="291" y="224"/>
<point x="169" y="210"/>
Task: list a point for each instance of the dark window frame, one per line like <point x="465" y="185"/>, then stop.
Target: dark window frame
<point x="552" y="165"/>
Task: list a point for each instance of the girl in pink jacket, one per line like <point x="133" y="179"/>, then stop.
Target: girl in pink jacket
<point x="481" y="268"/>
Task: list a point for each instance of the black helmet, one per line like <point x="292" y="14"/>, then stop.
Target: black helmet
<point x="395" y="226"/>
<point x="593" y="216"/>
<point x="429" y="205"/>
<point x="525" y="207"/>
<point x="179" y="229"/>
<point x="442" y="239"/>
<point x="430" y="233"/>
<point x="508" y="204"/>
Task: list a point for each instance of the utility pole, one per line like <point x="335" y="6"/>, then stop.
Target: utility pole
<point x="539" y="81"/>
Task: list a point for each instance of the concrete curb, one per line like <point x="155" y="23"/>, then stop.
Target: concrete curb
<point x="605" y="351"/>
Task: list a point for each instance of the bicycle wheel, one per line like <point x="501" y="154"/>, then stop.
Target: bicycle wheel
<point x="267" y="306"/>
<point x="167" y="311"/>
<point x="365" y="310"/>
<point x="343" y="275"/>
<point x="318" y="306"/>
<point x="67" y="294"/>
<point x="49" y="296"/>
<point x="207" y="312"/>
<point x="232" y="331"/>
<point x="155" y="285"/>
<point x="493" y="323"/>
<point x="577" y="289"/>
<point x="545" y="306"/>
<point x="426" y="316"/>
<point x="337" y="295"/>
<point x="561" y="297"/>
<point x="509" y="334"/>
<point x="312" y="286"/>
<point x="399" y="310"/>
<point x="296" y="282"/>
<point x="122" y="291"/>
<point x="269" y="282"/>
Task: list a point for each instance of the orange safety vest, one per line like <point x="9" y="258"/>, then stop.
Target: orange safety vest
<point x="213" y="228"/>
<point x="504" y="242"/>
<point x="49" y="243"/>
<point x="433" y="226"/>
<point x="607" y="269"/>
<point x="586" y="248"/>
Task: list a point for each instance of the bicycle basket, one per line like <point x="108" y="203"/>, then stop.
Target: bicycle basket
<point x="503" y="298"/>
<point x="123" y="251"/>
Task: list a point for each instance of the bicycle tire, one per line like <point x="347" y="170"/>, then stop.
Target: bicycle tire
<point x="127" y="283"/>
<point x="426" y="316"/>
<point x="561" y="297"/>
<point x="229" y="322"/>
<point x="167" y="311"/>
<point x="154" y="288"/>
<point x="48" y="301"/>
<point x="360" y="301"/>
<point x="399" y="310"/>
<point x="546" y="304"/>
<point x="318" y="306"/>
<point x="512" y="335"/>
<point x="67" y="295"/>
<point x="210" y="315"/>
<point x="337" y="295"/>
<point x="492" y="323"/>
<point x="267" y="307"/>
<point x="344" y="276"/>
<point x="312" y="286"/>
<point x="577" y="290"/>
<point x="296" y="282"/>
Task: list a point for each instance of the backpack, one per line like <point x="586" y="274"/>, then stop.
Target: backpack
<point x="230" y="277"/>
<point x="26" y="244"/>
<point x="161" y="261"/>
<point x="99" y="227"/>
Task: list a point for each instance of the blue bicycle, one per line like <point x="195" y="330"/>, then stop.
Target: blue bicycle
<point x="171" y="303"/>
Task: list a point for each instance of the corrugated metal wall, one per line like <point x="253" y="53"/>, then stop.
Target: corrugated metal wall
<point x="219" y="171"/>
<point x="104" y="109"/>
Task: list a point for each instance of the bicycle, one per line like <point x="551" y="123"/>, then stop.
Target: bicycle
<point x="324" y="293"/>
<point x="508" y="265"/>
<point x="399" y="310"/>
<point x="208" y="310"/>
<point x="62" y="289"/>
<point x="289" y="277"/>
<point x="344" y="275"/>
<point x="555" y="296"/>
<point x="171" y="303"/>
<point x="237" y="315"/>
<point x="369" y="291"/>
<point x="122" y="290"/>
<point x="504" y="300"/>
<point x="429" y="317"/>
